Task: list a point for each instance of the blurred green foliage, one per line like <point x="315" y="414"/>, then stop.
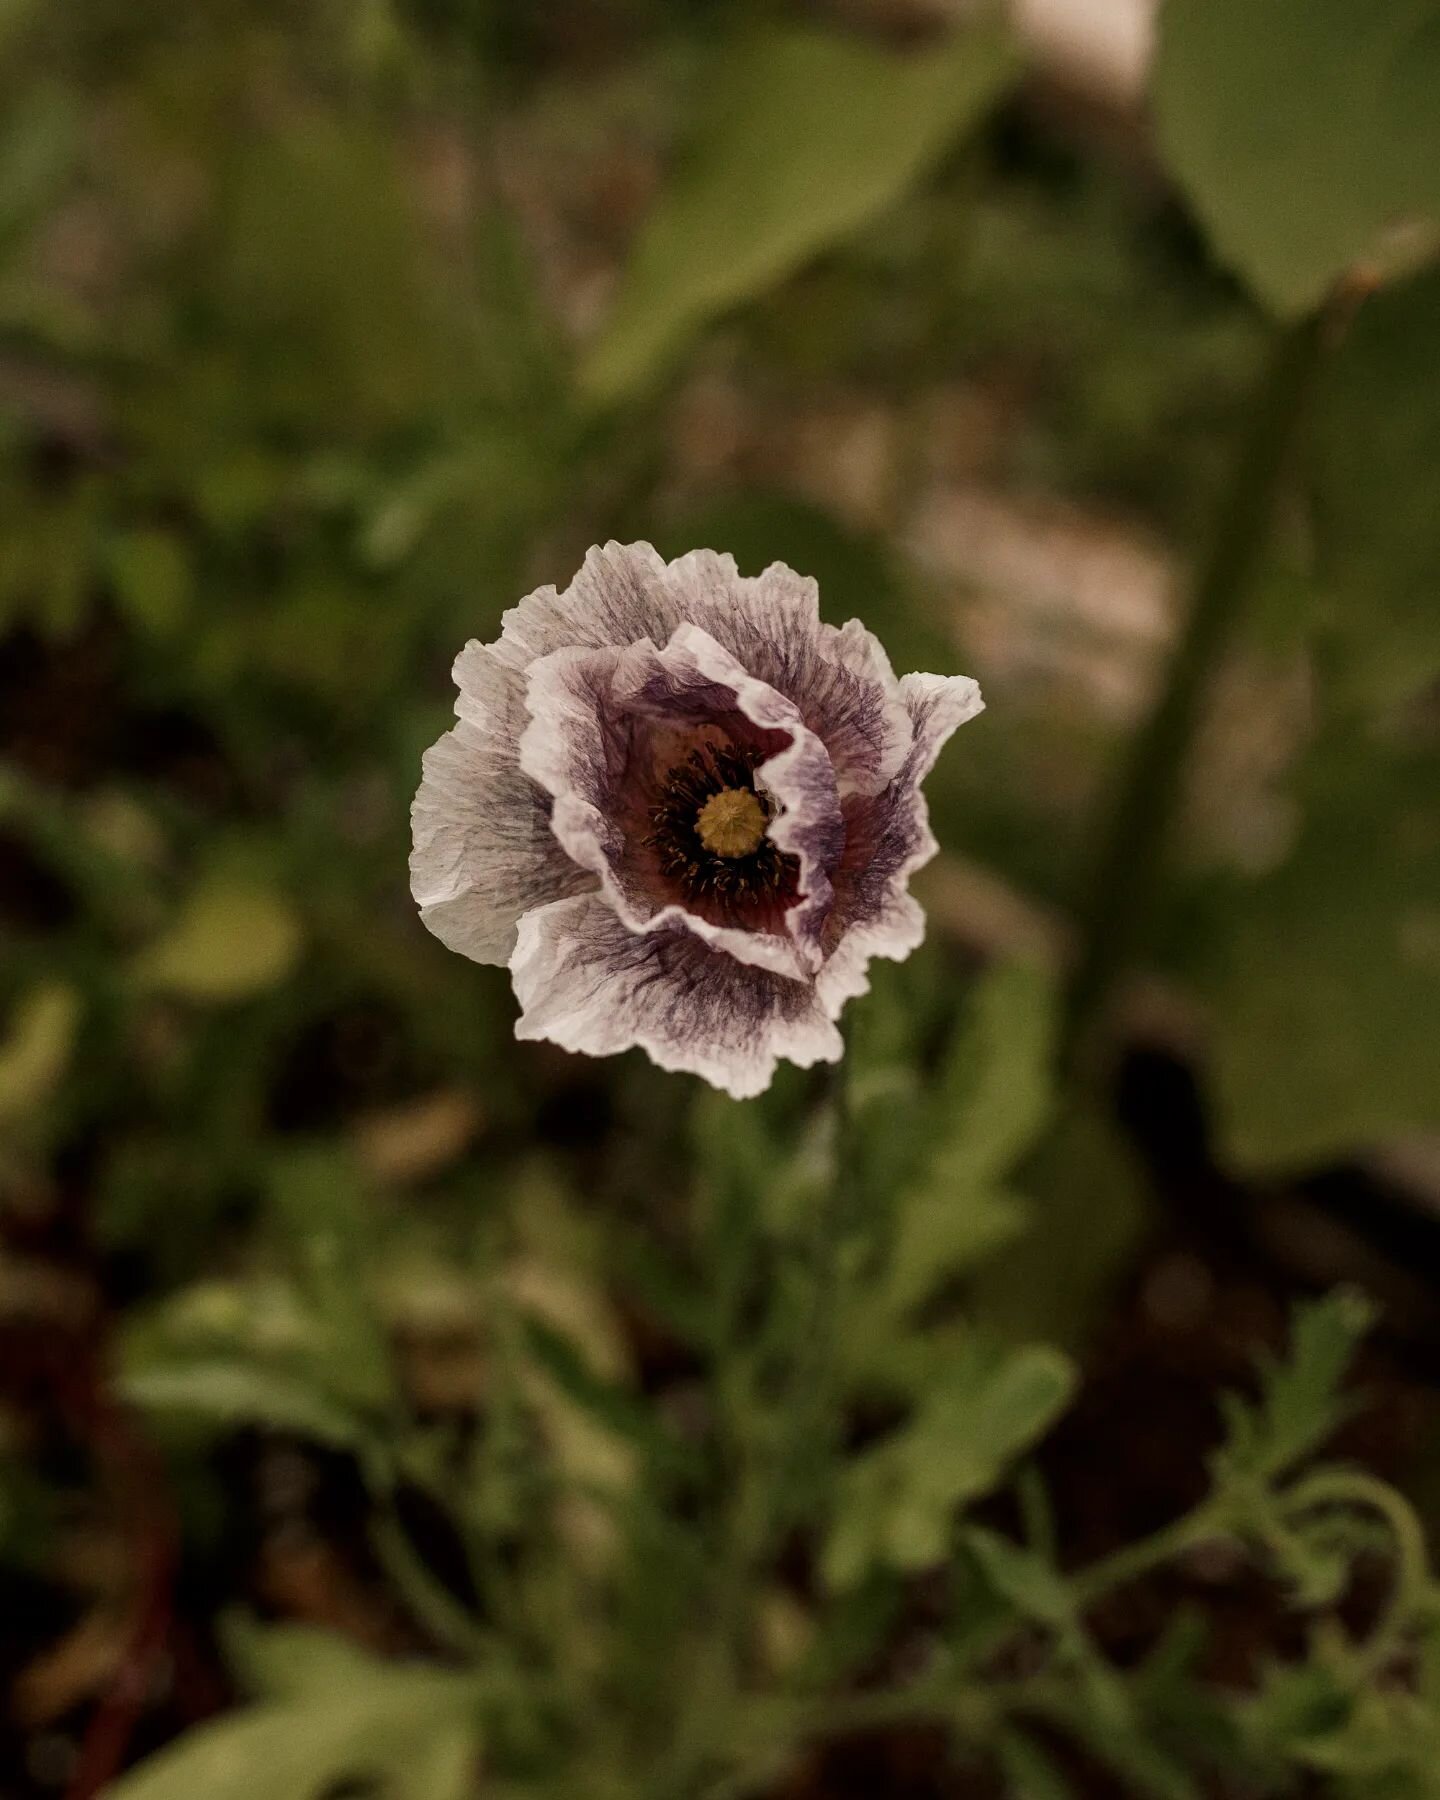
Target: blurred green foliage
<point x="328" y="330"/>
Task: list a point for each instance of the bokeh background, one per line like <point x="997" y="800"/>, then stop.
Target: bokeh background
<point x="328" y="330"/>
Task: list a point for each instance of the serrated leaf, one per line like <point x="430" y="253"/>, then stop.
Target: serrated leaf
<point x="994" y="1094"/>
<point x="1300" y="1402"/>
<point x="442" y="1768"/>
<point x="232" y="938"/>
<point x="1305" y="132"/>
<point x="808" y="135"/>
<point x="298" y="1664"/>
<point x="605" y="1402"/>
<point x="1149" y="1769"/>
<point x="896" y="1501"/>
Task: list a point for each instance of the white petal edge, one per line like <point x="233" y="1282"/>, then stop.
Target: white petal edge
<point x="939" y="705"/>
<point x="838" y="676"/>
<point x="587" y="983"/>
<point x="482" y="849"/>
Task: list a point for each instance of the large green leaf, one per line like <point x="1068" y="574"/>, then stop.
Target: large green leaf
<point x="1306" y="132"/>
<point x="1327" y="1014"/>
<point x="807" y="135"/>
<point x="1375" y="453"/>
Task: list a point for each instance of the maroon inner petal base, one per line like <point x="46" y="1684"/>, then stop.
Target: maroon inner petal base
<point x="635" y="744"/>
<point x="675" y="775"/>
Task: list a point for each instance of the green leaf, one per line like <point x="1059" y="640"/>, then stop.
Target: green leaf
<point x="288" y="1661"/>
<point x="992" y="1097"/>
<point x="376" y="1723"/>
<point x="221" y="1395"/>
<point x="897" y="1500"/>
<point x="995" y="1090"/>
<point x="611" y="1406"/>
<point x="1150" y="1771"/>
<point x="1032" y="1585"/>
<point x="1305" y="132"/>
<point x="36" y="1048"/>
<point x="232" y="938"/>
<point x="319" y="1197"/>
<point x="1328" y="989"/>
<point x="38" y="147"/>
<point x="443" y="1768"/>
<point x="808" y="134"/>
<point x="298" y="1664"/>
<point x="1375" y="446"/>
<point x="1300" y="1403"/>
<point x="150" y="572"/>
<point x="1089" y="1208"/>
<point x="1029" y="1773"/>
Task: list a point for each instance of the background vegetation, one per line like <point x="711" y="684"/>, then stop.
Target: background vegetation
<point x="388" y="1407"/>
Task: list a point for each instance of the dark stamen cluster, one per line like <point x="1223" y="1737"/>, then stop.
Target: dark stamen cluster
<point x="737" y="884"/>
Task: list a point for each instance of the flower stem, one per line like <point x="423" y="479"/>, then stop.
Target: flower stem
<point x="774" y="1456"/>
<point x="1357" y="1489"/>
<point x="1134" y="1560"/>
<point x="1134" y="838"/>
<point x="811" y="1397"/>
<point x="431" y="1603"/>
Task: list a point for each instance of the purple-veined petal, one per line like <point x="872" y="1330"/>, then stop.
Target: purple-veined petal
<point x="483" y="851"/>
<point x="888" y="837"/>
<point x="588" y="983"/>
<point x="839" y="678"/>
<point x="594" y="716"/>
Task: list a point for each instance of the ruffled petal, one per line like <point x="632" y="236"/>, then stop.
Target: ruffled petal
<point x="839" y="679"/>
<point x="592" y="714"/>
<point x="621" y="593"/>
<point x="588" y="983"/>
<point x="482" y="850"/>
<point x="888" y="837"/>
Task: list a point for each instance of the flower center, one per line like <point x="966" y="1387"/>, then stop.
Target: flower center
<point x="708" y="839"/>
<point x="731" y="823"/>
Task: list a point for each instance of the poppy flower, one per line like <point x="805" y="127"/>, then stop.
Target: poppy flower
<point x="684" y="811"/>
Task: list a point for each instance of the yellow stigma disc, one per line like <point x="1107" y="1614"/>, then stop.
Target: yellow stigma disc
<point x="731" y="823"/>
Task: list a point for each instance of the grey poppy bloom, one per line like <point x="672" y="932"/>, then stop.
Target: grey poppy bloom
<point x="684" y="811"/>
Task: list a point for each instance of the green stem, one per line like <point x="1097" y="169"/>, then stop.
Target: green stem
<point x="431" y="1603"/>
<point x="1134" y="839"/>
<point x="767" y="1473"/>
<point x="973" y="1711"/>
<point x="809" y="1408"/>
<point x="1354" y="1488"/>
<point x="1133" y="1560"/>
